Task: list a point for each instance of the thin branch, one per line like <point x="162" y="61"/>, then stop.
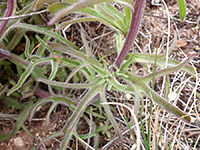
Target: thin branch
<point x="23" y="16"/>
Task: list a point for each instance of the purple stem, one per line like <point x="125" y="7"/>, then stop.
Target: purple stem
<point x="133" y="30"/>
<point x="8" y="14"/>
<point x="41" y="93"/>
<point x="4" y="54"/>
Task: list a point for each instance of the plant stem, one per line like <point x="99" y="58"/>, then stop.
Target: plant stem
<point x="133" y="30"/>
<point x="8" y="13"/>
<point x="4" y="54"/>
<point x="41" y="93"/>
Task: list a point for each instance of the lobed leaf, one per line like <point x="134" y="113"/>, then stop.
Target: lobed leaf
<point x="54" y="99"/>
<point x="89" y="98"/>
<point x="141" y="86"/>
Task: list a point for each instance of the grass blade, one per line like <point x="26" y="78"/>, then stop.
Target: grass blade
<point x="182" y="8"/>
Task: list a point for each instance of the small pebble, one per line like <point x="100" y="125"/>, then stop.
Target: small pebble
<point x="18" y="142"/>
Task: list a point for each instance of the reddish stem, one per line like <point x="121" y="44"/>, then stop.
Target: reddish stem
<point x="41" y="93"/>
<point x="4" y="54"/>
<point x="133" y="30"/>
<point x="8" y="14"/>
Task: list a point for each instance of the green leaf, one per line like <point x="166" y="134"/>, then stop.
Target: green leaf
<point x="75" y="71"/>
<point x="27" y="47"/>
<point x="127" y="63"/>
<point x="71" y="1"/>
<point x="41" y="49"/>
<point x="114" y="82"/>
<point x="54" y="69"/>
<point x="182" y="8"/>
<point x="42" y="61"/>
<point x="12" y="101"/>
<point x="82" y="105"/>
<point x="141" y="86"/>
<point x="20" y="121"/>
<point x="89" y="73"/>
<point x="42" y="31"/>
<point x="110" y="115"/>
<point x="127" y="14"/>
<point x="55" y="99"/>
<point x="168" y="70"/>
<point x="150" y="58"/>
<point x="102" y="17"/>
<point x="67" y="50"/>
<point x="37" y="4"/>
<point x="87" y="48"/>
<point x="57" y="134"/>
<point x="67" y="85"/>
<point x="66" y="23"/>
<point x="43" y="43"/>
<point x="80" y="5"/>
<point x="56" y="7"/>
<point x="112" y="10"/>
<point x="82" y="141"/>
<point x="98" y="16"/>
<point x="22" y="79"/>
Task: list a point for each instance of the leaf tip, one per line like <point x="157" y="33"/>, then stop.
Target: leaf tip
<point x="9" y="92"/>
<point x="187" y="119"/>
<point x="51" y="22"/>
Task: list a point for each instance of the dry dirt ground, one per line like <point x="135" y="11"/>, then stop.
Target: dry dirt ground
<point x="153" y="33"/>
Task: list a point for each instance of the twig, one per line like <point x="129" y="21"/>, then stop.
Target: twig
<point x="23" y="16"/>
